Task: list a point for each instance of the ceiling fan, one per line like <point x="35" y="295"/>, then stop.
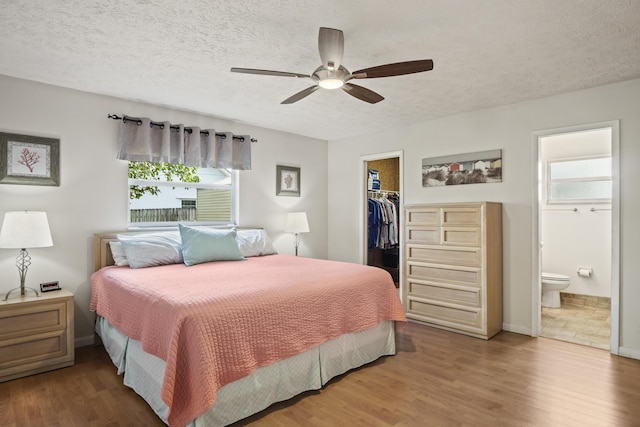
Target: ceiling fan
<point x="333" y="75"/>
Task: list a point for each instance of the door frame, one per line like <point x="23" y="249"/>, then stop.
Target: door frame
<point x="615" y="225"/>
<point x="364" y="207"/>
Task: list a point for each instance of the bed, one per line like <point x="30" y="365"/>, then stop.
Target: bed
<point x="214" y="342"/>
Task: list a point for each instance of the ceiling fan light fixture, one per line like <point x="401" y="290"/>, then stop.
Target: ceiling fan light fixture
<point x="331" y="83"/>
<point x="331" y="74"/>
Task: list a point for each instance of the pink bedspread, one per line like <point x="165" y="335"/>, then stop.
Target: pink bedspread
<point x="217" y="322"/>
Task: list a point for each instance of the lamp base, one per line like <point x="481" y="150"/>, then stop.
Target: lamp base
<point x="21" y="289"/>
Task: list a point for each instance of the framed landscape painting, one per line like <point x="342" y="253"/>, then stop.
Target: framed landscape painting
<point x="469" y="168"/>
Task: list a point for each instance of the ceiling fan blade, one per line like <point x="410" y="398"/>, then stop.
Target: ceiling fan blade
<point x="298" y="96"/>
<point x="362" y="93"/>
<point x="268" y="72"/>
<point x="396" y="69"/>
<point x="331" y="46"/>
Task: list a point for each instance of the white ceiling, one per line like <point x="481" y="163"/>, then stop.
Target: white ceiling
<point x="178" y="54"/>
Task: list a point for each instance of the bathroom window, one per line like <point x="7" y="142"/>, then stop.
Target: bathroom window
<point x="583" y="180"/>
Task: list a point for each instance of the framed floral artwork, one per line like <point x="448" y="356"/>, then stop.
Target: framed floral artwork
<point x="29" y="160"/>
<point x="287" y="181"/>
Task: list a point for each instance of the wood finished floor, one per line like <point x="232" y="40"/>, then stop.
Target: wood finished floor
<point x="438" y="378"/>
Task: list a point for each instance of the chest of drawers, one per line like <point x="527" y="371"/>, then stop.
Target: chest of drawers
<point x="453" y="266"/>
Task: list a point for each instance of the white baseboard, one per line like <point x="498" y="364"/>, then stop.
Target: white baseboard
<point x="84" y="341"/>
<point x="518" y="329"/>
<point x="632" y="353"/>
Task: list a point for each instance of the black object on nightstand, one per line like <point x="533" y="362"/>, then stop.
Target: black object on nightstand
<point x="49" y="286"/>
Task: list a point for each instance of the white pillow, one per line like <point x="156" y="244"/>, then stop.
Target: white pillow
<point x="117" y="252"/>
<point x="150" y="249"/>
<point x="254" y="243"/>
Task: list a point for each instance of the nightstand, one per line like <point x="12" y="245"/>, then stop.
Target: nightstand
<point x="36" y="333"/>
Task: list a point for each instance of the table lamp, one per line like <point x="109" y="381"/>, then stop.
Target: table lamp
<point x="297" y="223"/>
<point x="22" y="230"/>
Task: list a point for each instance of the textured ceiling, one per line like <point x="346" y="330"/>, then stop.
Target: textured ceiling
<point x="178" y="54"/>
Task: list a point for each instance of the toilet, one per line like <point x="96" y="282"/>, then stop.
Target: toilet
<point x="552" y="284"/>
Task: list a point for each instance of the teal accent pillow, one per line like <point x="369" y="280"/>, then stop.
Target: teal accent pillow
<point x="204" y="245"/>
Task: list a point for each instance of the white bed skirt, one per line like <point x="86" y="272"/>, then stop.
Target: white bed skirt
<point x="279" y="381"/>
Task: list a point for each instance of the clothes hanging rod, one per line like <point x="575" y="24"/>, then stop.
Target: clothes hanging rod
<point x="385" y="191"/>
<point x="161" y="126"/>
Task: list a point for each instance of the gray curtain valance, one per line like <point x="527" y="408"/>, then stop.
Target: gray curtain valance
<point x="144" y="140"/>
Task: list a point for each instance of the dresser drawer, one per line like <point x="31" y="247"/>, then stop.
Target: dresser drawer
<point x="461" y="236"/>
<point x="466" y="276"/>
<point x="26" y="320"/>
<point x="445" y="255"/>
<point x="428" y="216"/>
<point x="445" y="315"/>
<point x="424" y="235"/>
<point x="462" y="216"/>
<point x="470" y="297"/>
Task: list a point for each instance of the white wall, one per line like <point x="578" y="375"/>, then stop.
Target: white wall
<point x="509" y="128"/>
<point x="92" y="196"/>
<point x="580" y="238"/>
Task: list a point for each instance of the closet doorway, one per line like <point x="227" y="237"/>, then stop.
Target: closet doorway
<point x="382" y="185"/>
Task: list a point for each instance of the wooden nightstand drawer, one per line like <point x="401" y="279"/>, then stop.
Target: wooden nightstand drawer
<point x="32" y="348"/>
<point x="21" y="320"/>
<point x="36" y="334"/>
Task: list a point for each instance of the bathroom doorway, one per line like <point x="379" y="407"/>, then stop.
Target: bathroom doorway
<point x="576" y="253"/>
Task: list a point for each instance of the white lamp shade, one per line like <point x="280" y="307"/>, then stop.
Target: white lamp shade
<point x="297" y="223"/>
<point x="24" y="229"/>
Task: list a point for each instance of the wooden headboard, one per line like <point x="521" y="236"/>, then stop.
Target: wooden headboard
<point x="101" y="252"/>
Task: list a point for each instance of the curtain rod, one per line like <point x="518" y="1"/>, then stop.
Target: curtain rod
<point x="161" y="125"/>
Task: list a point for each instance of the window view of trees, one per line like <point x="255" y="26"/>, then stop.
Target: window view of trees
<point x="161" y="193"/>
<point x="156" y="172"/>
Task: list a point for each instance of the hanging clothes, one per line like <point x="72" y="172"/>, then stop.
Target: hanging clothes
<point x="374" y="223"/>
<point x="383" y="222"/>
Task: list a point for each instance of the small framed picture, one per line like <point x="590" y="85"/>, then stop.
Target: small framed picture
<point x="287" y="181"/>
<point x="29" y="160"/>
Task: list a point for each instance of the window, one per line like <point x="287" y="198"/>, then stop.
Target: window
<point x="584" y="180"/>
<point x="188" y="203"/>
<point x="164" y="194"/>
